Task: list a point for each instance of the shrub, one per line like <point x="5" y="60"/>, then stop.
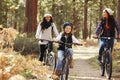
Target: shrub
<point x="28" y="45"/>
<point x="25" y="45"/>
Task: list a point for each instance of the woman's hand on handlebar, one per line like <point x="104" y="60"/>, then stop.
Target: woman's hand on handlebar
<point x="95" y="36"/>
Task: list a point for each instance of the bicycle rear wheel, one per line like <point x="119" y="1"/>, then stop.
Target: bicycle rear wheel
<point x="102" y="65"/>
<point x="65" y="71"/>
<point x="45" y="58"/>
<point x="108" y="65"/>
<point x="51" y="59"/>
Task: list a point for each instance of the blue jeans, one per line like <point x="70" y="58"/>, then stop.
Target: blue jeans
<point x="61" y="56"/>
<point x="102" y="45"/>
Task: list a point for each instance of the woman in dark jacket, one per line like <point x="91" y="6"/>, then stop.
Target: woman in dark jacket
<point x="106" y="28"/>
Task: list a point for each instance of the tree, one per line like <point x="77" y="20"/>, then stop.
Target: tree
<point x="3" y="12"/>
<point x="101" y="7"/>
<point x="75" y="20"/>
<point x="85" y="30"/>
<point x="118" y="12"/>
<point x="31" y="15"/>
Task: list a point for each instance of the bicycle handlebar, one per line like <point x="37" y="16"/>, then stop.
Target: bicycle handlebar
<point x="61" y="42"/>
<point x="106" y="38"/>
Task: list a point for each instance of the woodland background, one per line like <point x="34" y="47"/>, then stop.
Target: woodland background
<point x="24" y="15"/>
<point x="18" y="24"/>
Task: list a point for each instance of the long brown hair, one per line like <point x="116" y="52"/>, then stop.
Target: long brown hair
<point x="44" y="24"/>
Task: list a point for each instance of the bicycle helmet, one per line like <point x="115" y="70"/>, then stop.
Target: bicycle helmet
<point x="67" y="24"/>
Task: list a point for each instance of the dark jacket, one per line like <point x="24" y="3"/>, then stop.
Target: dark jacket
<point x="103" y="32"/>
<point x="65" y="40"/>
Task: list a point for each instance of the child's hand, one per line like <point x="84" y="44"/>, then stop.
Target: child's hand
<point x="79" y="44"/>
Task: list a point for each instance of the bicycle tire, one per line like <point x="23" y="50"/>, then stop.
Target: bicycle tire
<point x="45" y="58"/>
<point x="102" y="64"/>
<point x="108" y="65"/>
<point x="50" y="59"/>
<point x="65" y="70"/>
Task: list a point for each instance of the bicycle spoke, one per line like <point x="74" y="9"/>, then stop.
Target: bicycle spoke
<point x="108" y="65"/>
<point x="102" y="65"/>
<point x="65" y="71"/>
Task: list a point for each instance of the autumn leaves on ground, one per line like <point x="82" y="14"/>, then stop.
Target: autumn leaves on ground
<point x="14" y="66"/>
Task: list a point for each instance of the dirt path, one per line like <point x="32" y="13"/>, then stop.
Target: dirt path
<point x="82" y="69"/>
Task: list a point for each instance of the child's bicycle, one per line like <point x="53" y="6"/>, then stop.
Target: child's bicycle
<point x="106" y="62"/>
<point x="65" y="63"/>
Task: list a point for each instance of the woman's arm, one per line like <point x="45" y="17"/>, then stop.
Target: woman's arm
<point x="59" y="37"/>
<point x="75" y="40"/>
<point x="98" y="29"/>
<point x="118" y="29"/>
<point x="55" y="29"/>
<point x="38" y="31"/>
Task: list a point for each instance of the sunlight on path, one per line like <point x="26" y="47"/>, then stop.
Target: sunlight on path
<point x="84" y="78"/>
<point x="82" y="69"/>
<point x="85" y="53"/>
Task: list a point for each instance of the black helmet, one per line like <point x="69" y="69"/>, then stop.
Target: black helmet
<point x="67" y="24"/>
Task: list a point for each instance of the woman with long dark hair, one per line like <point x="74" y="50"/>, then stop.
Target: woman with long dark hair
<point x="106" y="28"/>
<point x="44" y="31"/>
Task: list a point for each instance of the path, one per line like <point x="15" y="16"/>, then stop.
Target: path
<point x="82" y="69"/>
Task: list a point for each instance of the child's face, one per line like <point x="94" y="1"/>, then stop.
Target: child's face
<point x="68" y="29"/>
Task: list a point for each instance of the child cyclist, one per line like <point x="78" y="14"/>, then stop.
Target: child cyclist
<point x="67" y="37"/>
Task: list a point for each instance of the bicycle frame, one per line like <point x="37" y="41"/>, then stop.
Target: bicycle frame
<point x="65" y="62"/>
<point x="65" y="65"/>
<point x="107" y="60"/>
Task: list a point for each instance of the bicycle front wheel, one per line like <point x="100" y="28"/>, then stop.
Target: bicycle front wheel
<point x="108" y="65"/>
<point x="65" y="70"/>
<point x="102" y="65"/>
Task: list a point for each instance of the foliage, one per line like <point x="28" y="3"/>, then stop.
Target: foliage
<point x="26" y="45"/>
<point x="62" y="10"/>
<point x="13" y="63"/>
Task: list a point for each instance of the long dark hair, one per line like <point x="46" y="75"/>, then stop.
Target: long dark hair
<point x="111" y="20"/>
<point x="44" y="24"/>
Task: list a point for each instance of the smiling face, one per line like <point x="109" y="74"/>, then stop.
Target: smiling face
<point x="48" y="18"/>
<point x="105" y="14"/>
<point x="68" y="29"/>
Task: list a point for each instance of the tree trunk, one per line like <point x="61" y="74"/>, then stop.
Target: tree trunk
<point x="15" y="22"/>
<point x="118" y="12"/>
<point x="1" y="12"/>
<point x="90" y="24"/>
<point x="75" y="21"/>
<point x="31" y="15"/>
<point x="53" y="10"/>
<point x="85" y="30"/>
<point x="74" y="16"/>
<point x="101" y="7"/>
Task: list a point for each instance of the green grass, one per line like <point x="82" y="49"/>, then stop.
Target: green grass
<point x="116" y="62"/>
<point x="94" y="62"/>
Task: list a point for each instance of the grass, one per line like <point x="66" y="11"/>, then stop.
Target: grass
<point x="94" y="62"/>
<point x="116" y="63"/>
